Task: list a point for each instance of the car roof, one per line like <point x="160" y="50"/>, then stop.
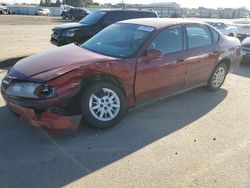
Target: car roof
<point x="161" y="22"/>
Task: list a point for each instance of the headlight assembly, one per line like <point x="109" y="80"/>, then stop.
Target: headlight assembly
<point x="30" y="90"/>
<point x="69" y="33"/>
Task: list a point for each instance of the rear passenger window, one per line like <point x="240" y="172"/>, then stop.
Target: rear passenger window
<point x="113" y="17"/>
<point x="215" y="35"/>
<point x="198" y="36"/>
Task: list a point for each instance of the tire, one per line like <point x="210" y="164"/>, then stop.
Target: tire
<point x="218" y="77"/>
<point x="63" y="17"/>
<point x="99" y="96"/>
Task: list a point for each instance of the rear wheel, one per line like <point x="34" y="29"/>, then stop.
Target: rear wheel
<point x="103" y="105"/>
<point x="217" y="78"/>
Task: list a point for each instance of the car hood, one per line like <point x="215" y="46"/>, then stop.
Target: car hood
<point x="70" y="26"/>
<point x="58" y="61"/>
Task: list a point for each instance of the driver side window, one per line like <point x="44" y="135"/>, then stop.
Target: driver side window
<point x="169" y="40"/>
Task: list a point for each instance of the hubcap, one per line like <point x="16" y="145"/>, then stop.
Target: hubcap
<point x="104" y="104"/>
<point x="218" y="77"/>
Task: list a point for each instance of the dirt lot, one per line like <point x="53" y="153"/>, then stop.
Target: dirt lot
<point x="197" y="139"/>
<point x="25" y="35"/>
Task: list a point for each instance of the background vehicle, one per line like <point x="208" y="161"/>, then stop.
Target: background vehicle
<point x="92" y="24"/>
<point x="75" y="14"/>
<point x="225" y="28"/>
<point x="42" y="12"/>
<point x="246" y="50"/>
<point x="106" y="75"/>
<point x="64" y="14"/>
<point x="3" y="9"/>
<point x="243" y="28"/>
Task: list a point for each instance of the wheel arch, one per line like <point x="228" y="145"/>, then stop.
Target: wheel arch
<point x="227" y="61"/>
<point x="87" y="81"/>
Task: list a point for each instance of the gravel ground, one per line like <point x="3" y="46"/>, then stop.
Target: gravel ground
<point x="25" y="35"/>
<point x="197" y="139"/>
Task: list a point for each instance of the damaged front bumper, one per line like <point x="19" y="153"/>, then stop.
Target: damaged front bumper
<point x="45" y="120"/>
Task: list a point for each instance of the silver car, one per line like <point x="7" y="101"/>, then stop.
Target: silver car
<point x="243" y="27"/>
<point x="42" y="12"/>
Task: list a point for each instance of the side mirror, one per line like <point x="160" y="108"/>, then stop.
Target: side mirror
<point x="153" y="53"/>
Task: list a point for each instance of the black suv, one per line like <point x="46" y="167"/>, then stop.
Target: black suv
<point x="81" y="31"/>
<point x="74" y="14"/>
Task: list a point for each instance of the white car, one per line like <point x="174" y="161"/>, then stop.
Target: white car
<point x="42" y="12"/>
<point x="3" y="9"/>
<point x="243" y="27"/>
<point x="226" y="29"/>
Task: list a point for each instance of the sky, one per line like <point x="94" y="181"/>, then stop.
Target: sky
<point x="183" y="3"/>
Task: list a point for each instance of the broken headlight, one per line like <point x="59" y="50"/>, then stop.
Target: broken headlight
<point x="30" y="90"/>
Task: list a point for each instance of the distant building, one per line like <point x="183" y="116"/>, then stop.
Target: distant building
<point x="228" y="13"/>
<point x="214" y="13"/>
<point x="170" y="9"/>
<point x="204" y="12"/>
<point x="242" y="13"/>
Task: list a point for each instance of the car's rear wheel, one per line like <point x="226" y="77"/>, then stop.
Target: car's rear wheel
<point x="103" y="105"/>
<point x="218" y="77"/>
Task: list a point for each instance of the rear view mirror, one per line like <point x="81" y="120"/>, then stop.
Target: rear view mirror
<point x="154" y="53"/>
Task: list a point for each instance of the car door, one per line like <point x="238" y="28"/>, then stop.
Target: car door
<point x="200" y="54"/>
<point x="155" y="77"/>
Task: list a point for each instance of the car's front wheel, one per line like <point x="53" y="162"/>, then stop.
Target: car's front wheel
<point x="103" y="105"/>
<point x="218" y="77"/>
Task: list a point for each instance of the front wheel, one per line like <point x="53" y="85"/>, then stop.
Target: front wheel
<point x="217" y="78"/>
<point x="103" y="105"/>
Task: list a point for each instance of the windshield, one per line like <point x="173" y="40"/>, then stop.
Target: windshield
<point x="119" y="40"/>
<point x="93" y="17"/>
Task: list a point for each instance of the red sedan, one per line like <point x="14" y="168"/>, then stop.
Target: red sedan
<point x="123" y="65"/>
